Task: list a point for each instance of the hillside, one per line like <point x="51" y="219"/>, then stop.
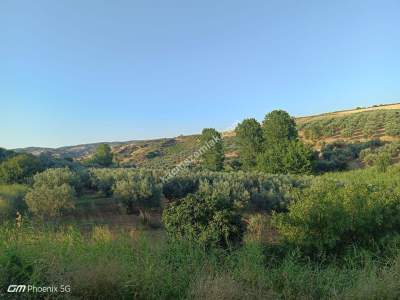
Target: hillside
<point x="355" y="125"/>
<point x="307" y="119"/>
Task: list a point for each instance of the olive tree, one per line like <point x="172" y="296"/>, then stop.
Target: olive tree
<point x="52" y="193"/>
<point x="138" y="190"/>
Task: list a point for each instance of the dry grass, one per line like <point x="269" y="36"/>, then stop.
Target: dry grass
<point x="302" y="120"/>
<point x="223" y="287"/>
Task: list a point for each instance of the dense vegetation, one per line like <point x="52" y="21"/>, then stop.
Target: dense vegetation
<point x="273" y="147"/>
<point x="284" y="221"/>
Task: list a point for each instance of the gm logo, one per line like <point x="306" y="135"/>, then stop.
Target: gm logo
<point x="13" y="288"/>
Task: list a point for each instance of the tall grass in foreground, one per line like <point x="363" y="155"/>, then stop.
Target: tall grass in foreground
<point x="132" y="265"/>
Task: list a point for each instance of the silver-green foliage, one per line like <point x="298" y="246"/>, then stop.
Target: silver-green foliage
<point x="52" y="192"/>
<point x="139" y="190"/>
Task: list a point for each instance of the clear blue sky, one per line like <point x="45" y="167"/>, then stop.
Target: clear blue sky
<point x="77" y="71"/>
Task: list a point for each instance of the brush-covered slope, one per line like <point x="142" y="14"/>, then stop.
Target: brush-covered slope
<point x="356" y="125"/>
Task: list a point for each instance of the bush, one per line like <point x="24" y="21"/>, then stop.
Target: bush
<point x="204" y="220"/>
<point x="381" y="157"/>
<point x="178" y="187"/>
<point x="211" y="216"/>
<point x="291" y="157"/>
<point x="329" y="216"/>
<point x="298" y="158"/>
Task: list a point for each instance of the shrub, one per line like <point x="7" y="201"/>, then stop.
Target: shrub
<point x="292" y="157"/>
<point x="211" y="216"/>
<point x="329" y="216"/>
<point x="178" y="187"/>
<point x="298" y="158"/>
<point x="272" y="159"/>
<point x="381" y="157"/>
<point x="204" y="220"/>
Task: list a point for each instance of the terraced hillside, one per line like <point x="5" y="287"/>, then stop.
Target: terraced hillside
<point x="359" y="125"/>
<point x="373" y="124"/>
<point x="355" y="125"/>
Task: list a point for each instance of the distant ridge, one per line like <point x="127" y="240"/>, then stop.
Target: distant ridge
<point x="162" y="152"/>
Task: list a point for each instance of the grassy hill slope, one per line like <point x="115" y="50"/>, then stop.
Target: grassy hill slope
<point x="354" y="125"/>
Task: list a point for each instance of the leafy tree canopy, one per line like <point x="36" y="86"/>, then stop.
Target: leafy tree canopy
<point x="278" y="126"/>
<point x="103" y="156"/>
<point x="249" y="139"/>
<point x="213" y="156"/>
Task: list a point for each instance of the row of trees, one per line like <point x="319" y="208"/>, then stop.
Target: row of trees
<point x="366" y="124"/>
<point x="273" y="147"/>
<point x="21" y="167"/>
<point x="208" y="207"/>
<point x="203" y="206"/>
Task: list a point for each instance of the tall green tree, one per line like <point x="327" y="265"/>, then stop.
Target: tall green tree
<point x="249" y="138"/>
<point x="278" y="126"/>
<point x="103" y="155"/>
<point x="283" y="152"/>
<point x="213" y="147"/>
